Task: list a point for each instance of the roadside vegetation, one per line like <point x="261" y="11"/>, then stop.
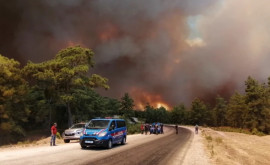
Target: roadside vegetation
<point x="62" y="90"/>
<point x="236" y="148"/>
<point x="239" y="130"/>
<point x="133" y="128"/>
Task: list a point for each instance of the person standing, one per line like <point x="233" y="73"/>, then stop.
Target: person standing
<point x="196" y="128"/>
<point x="161" y="128"/>
<point x="176" y="129"/>
<point x="146" y="128"/>
<point x="142" y="128"/>
<point x="53" y="134"/>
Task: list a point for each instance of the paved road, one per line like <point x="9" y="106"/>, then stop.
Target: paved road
<point x="140" y="149"/>
<point x="159" y="151"/>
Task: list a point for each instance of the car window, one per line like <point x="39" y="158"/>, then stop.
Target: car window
<point x="97" y="124"/>
<point x="112" y="125"/>
<point x="120" y="124"/>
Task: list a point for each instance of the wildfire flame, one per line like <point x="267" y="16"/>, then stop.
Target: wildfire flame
<point x="142" y="98"/>
<point x="108" y="32"/>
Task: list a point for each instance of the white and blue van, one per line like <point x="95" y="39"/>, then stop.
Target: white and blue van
<point x="104" y="133"/>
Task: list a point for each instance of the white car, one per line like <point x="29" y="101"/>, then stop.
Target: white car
<point x="73" y="133"/>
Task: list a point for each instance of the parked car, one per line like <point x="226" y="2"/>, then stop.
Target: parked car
<point x="104" y="133"/>
<point x="73" y="133"/>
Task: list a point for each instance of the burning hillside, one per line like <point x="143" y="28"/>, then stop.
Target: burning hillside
<point x="161" y="52"/>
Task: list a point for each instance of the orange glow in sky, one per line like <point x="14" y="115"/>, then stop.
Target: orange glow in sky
<point x="142" y="98"/>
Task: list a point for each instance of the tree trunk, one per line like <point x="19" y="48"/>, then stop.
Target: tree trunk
<point x="50" y="118"/>
<point x="50" y="114"/>
<point x="69" y="116"/>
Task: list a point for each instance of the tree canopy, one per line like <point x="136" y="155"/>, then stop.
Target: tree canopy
<point x="63" y="90"/>
<point x="64" y="74"/>
<point x="13" y="112"/>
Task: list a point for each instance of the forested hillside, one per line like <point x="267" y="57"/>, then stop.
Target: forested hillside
<point x="62" y="90"/>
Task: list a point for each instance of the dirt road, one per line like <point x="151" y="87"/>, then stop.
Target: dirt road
<point x="140" y="149"/>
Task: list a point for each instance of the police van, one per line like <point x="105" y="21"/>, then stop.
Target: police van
<point x="104" y="133"/>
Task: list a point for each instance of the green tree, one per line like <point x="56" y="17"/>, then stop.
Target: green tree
<point x="198" y="112"/>
<point x="237" y="111"/>
<point x="113" y="106"/>
<point x="256" y="100"/>
<point x="127" y="104"/>
<point x="178" y="114"/>
<point x="65" y="73"/>
<point x="219" y="111"/>
<point x="162" y="115"/>
<point x="150" y="113"/>
<point x="13" y="111"/>
<point x="38" y="107"/>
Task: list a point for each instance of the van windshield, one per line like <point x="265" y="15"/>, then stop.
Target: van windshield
<point x="97" y="124"/>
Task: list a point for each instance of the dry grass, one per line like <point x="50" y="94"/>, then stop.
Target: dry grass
<point x="236" y="148"/>
<point x="41" y="141"/>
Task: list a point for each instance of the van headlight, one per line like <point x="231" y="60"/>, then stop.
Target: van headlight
<point x="102" y="134"/>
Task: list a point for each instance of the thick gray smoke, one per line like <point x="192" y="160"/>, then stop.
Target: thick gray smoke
<point x="159" y="51"/>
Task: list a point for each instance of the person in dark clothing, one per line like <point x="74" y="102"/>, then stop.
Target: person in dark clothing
<point x="176" y="129"/>
<point x="146" y="128"/>
<point x="196" y="129"/>
<point x="151" y="129"/>
<point x="156" y="129"/>
<point x="161" y="128"/>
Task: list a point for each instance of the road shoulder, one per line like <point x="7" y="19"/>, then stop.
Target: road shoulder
<point x="194" y="152"/>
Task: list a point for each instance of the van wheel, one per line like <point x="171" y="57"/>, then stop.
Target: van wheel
<point x="66" y="141"/>
<point x="123" y="142"/>
<point x="83" y="147"/>
<point x="109" y="145"/>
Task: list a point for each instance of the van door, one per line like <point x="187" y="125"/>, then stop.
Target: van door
<point x="113" y="133"/>
<point x="120" y="130"/>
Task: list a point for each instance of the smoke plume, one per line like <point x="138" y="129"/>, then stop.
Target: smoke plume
<point x="166" y="52"/>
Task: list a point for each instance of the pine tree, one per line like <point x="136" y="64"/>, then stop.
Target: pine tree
<point x="256" y="100"/>
<point x="237" y="111"/>
<point x="198" y="112"/>
<point x="127" y="105"/>
<point x="219" y="111"/>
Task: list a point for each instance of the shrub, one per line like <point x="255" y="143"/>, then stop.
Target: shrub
<point x="58" y="135"/>
<point x="231" y="129"/>
<point x="133" y="128"/>
<point x="256" y="132"/>
<point x="209" y="138"/>
<point x="240" y="130"/>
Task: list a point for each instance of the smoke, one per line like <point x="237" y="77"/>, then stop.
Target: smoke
<point x="158" y="51"/>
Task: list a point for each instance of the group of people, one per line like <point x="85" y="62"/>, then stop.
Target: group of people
<point x="154" y="128"/>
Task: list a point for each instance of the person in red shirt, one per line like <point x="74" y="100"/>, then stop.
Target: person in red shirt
<point x="142" y="128"/>
<point x="53" y="134"/>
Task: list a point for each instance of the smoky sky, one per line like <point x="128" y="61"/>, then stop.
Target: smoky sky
<point x="168" y="51"/>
